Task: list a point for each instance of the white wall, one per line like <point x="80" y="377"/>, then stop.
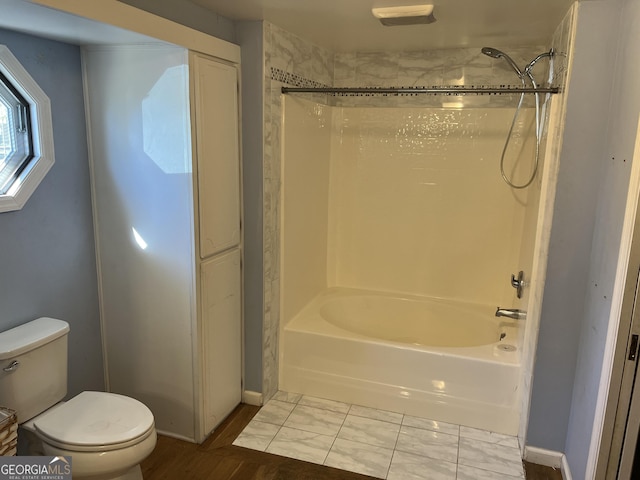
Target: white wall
<point x="138" y="113"/>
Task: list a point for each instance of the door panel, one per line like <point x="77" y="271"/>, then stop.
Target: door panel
<point x="221" y="336"/>
<point x="217" y="148"/>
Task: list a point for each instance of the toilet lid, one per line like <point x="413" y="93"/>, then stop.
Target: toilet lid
<point x="96" y="418"/>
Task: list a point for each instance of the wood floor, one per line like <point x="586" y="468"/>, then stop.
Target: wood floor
<point x="217" y="459"/>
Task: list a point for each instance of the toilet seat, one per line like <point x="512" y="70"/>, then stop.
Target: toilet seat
<point x="96" y="421"/>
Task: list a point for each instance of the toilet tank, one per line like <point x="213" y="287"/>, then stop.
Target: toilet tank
<point x="33" y="366"/>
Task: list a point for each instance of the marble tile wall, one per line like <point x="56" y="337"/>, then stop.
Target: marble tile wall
<point x="441" y="67"/>
<point x="561" y="44"/>
<point x="292" y="59"/>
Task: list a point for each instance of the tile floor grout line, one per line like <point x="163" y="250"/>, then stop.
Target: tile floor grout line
<point x="271" y="441"/>
<point x="336" y="436"/>
<point x="300" y="430"/>
<point x="393" y="453"/>
<point x="279" y="427"/>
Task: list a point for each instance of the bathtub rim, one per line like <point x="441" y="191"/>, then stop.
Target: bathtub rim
<point x="309" y="320"/>
<point x="495" y="410"/>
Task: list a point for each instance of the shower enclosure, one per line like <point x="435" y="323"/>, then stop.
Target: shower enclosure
<point x="399" y="237"/>
<point x="400" y="205"/>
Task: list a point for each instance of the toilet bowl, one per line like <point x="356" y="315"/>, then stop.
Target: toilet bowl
<point x="106" y="435"/>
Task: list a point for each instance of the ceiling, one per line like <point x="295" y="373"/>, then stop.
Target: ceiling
<point x="34" y="19"/>
<point x="348" y="25"/>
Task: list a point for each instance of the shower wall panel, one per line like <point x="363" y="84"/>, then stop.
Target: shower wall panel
<point x="417" y="204"/>
<point x="305" y="199"/>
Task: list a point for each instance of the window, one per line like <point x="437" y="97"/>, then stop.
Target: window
<point x="16" y="142"/>
<point x="26" y="136"/>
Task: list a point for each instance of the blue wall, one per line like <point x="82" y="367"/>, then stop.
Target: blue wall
<point x="250" y="40"/>
<point x="47" y="254"/>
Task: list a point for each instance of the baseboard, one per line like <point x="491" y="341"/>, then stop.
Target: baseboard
<point x="252" y="398"/>
<point x="566" y="473"/>
<point x="176" y="436"/>
<point x="548" y="458"/>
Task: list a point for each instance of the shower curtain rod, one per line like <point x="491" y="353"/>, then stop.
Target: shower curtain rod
<point x="418" y="90"/>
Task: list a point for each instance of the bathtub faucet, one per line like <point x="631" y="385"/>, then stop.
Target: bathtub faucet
<point x="511" y="313"/>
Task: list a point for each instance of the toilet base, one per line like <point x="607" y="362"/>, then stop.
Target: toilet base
<point x="121" y="464"/>
<point x="36" y="448"/>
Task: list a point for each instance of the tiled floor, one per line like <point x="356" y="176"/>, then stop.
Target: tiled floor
<point x="379" y="443"/>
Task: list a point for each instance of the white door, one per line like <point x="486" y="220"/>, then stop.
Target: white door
<point x="218" y="154"/>
<point x="628" y="418"/>
<point x="221" y="336"/>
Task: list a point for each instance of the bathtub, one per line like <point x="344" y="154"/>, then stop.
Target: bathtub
<point x="449" y="361"/>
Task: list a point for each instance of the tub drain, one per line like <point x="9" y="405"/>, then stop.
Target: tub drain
<point x="507" y="348"/>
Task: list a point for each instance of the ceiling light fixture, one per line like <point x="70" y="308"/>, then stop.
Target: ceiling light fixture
<point x="404" y="15"/>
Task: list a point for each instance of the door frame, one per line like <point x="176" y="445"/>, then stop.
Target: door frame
<point x="614" y="395"/>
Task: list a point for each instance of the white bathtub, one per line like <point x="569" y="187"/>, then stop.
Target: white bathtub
<point x="449" y="361"/>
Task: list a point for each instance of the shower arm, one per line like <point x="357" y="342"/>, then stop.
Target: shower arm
<point x="530" y="65"/>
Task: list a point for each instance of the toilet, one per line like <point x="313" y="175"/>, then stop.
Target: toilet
<point x="106" y="434"/>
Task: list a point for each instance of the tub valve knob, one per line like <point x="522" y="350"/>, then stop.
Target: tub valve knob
<point x="511" y="313"/>
<point x="518" y="283"/>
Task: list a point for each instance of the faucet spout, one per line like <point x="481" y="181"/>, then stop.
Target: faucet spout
<point x="511" y="313"/>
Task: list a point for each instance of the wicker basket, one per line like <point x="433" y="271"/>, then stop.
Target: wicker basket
<point x="8" y="432"/>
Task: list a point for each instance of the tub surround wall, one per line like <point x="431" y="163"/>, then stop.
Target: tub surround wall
<point x="47" y="248"/>
<point x="381" y="161"/>
<point x="417" y="204"/>
<point x="380" y="164"/>
<point x="305" y="199"/>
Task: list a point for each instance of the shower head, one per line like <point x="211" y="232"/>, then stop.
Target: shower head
<point x="495" y="53"/>
<point x="492" y="52"/>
